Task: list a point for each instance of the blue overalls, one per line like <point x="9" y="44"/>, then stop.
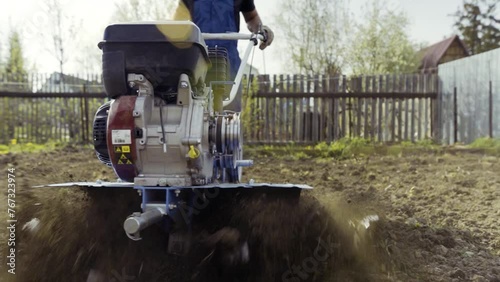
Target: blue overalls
<point x="217" y="16"/>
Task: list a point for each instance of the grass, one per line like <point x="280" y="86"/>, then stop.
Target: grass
<point x="15" y="147"/>
<point x="342" y="149"/>
<point x="489" y="145"/>
<point x="485" y="143"/>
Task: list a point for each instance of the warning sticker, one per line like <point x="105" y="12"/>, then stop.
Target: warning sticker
<point x="122" y="136"/>
<point x="122" y="156"/>
<point x="122" y="149"/>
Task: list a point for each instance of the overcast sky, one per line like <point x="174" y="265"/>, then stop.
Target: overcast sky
<point x="430" y="21"/>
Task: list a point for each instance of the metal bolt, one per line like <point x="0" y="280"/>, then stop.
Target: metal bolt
<point x="162" y="182"/>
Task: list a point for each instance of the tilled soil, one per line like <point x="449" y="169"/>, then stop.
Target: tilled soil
<point x="438" y="218"/>
<point x="440" y="214"/>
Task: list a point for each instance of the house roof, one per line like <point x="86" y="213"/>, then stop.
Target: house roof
<point x="433" y="54"/>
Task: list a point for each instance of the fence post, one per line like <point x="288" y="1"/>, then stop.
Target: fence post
<point x="455" y="116"/>
<point x="296" y="120"/>
<point x="89" y="134"/>
<point x="436" y="108"/>
<point x="344" y="109"/>
<point x="491" y="110"/>
<point x="82" y="116"/>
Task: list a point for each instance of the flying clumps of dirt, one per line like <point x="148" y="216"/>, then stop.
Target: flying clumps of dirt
<point x="80" y="234"/>
<point x="288" y="239"/>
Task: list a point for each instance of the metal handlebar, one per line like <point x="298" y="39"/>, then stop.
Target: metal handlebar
<point x="231" y="36"/>
<point x="236" y="36"/>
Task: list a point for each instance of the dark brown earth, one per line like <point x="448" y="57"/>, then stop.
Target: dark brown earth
<point x="438" y="221"/>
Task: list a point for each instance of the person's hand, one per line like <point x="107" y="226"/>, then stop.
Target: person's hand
<point x="268" y="35"/>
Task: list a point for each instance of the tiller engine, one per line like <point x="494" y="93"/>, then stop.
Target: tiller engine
<point x="164" y="130"/>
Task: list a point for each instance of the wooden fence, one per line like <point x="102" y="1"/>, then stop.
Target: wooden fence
<point x="314" y="109"/>
<point x="49" y="107"/>
<point x="43" y="117"/>
<point x="281" y="109"/>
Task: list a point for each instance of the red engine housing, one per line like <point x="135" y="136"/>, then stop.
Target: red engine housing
<point x="121" y="139"/>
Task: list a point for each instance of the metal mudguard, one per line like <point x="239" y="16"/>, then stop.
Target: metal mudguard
<point x="104" y="184"/>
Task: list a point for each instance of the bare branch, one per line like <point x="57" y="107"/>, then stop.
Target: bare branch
<point x="314" y="32"/>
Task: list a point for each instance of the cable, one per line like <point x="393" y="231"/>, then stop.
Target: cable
<point x="163" y="128"/>
<point x="250" y="73"/>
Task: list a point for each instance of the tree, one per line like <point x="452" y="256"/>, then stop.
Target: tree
<point x="89" y="58"/>
<point x="61" y="29"/>
<point x="15" y="61"/>
<point x="142" y="10"/>
<point x="315" y="33"/>
<point x="381" y="44"/>
<point x="16" y="81"/>
<point x="478" y="25"/>
<point x="60" y="35"/>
